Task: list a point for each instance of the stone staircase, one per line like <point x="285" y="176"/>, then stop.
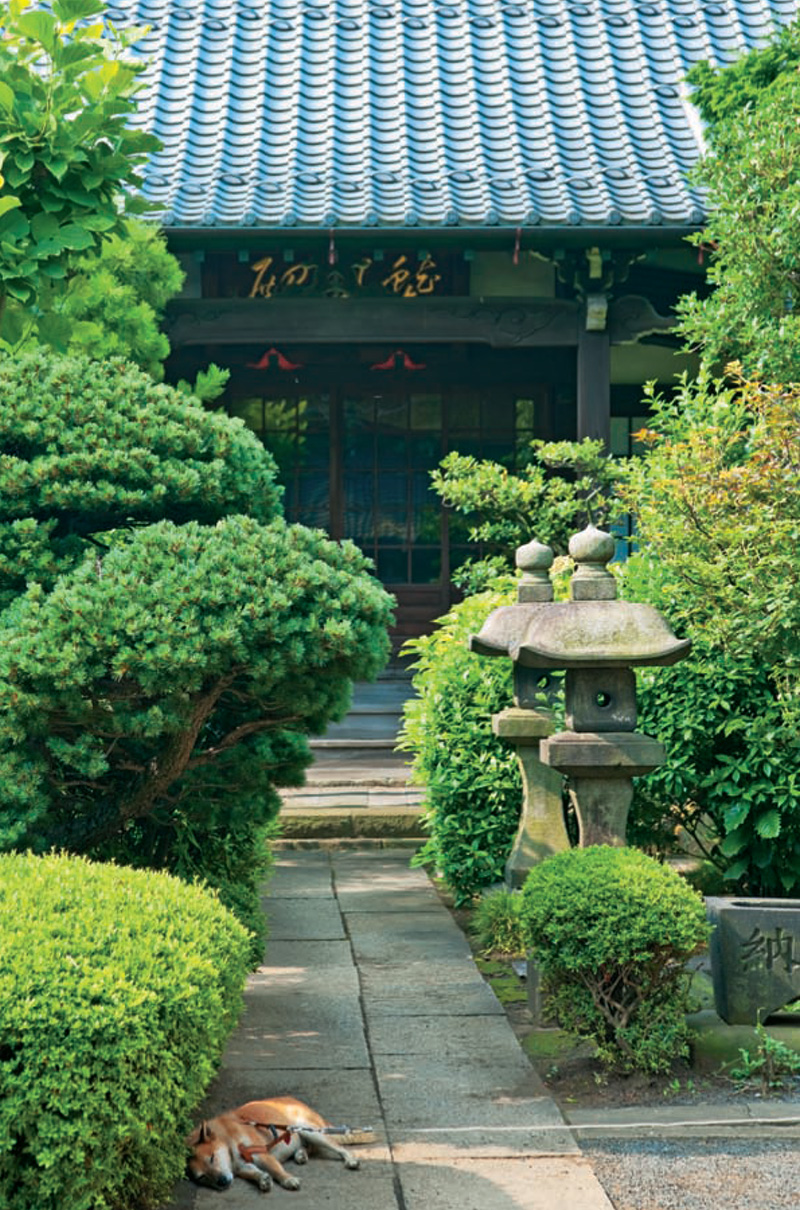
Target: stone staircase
<point x="358" y="786"/>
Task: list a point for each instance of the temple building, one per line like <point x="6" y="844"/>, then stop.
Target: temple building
<point x="416" y="226"/>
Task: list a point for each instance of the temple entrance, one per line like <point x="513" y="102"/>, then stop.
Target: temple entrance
<point x="355" y="459"/>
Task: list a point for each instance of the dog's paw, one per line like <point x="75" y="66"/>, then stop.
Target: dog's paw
<point x="300" y="1156"/>
<point x="291" y="1182"/>
<point x="352" y="1162"/>
<point x="264" y="1182"/>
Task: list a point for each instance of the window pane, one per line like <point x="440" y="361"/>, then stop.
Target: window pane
<point x="315" y="450"/>
<point x="250" y="411"/>
<point x="497" y="413"/>
<point x="392" y="490"/>
<point x="526" y="415"/>
<point x="426" y="565"/>
<point x="391" y="415"/>
<point x="311" y="503"/>
<point x="392" y="566"/>
<point x="464" y="413"/>
<point x="426" y="412"/>
<point x="425" y="450"/>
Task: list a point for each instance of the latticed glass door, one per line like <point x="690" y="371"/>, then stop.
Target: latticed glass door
<point x="390" y="444"/>
<point x="357" y="462"/>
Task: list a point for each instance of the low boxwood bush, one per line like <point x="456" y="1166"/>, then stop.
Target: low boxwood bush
<point x="611" y="930"/>
<point x="118" y="989"/>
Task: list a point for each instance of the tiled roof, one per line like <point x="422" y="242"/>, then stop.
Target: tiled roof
<point x="431" y="113"/>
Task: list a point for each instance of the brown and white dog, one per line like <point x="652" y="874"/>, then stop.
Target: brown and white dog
<point x="254" y="1140"/>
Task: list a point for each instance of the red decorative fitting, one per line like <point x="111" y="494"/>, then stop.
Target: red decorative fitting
<point x="332" y="258"/>
<point x="273" y="359"/>
<point x="399" y="360"/>
<point x="517" y="239"/>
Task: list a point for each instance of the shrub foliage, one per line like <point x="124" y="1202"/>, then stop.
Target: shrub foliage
<point x="611" y="930"/>
<point x="177" y="639"/>
<point x="118" y="989"/>
<point x="473" y="787"/>
<point x="717" y="500"/>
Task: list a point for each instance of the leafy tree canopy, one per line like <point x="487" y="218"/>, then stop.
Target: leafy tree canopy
<point x="717" y="503"/>
<point x="67" y="153"/>
<point x="752" y="179"/>
<point x="109" y="304"/>
<point x="566" y="486"/>
<point x="721" y="93"/>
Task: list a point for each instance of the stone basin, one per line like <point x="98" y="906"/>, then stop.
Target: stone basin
<point x="755" y="956"/>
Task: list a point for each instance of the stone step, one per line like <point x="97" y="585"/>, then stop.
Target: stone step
<point x="346" y="765"/>
<point x="375" y="715"/>
<point x="381" y="696"/>
<point x="350" y="820"/>
<point x="353" y="733"/>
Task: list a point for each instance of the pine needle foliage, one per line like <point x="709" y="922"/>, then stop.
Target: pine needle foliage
<point x="168" y="641"/>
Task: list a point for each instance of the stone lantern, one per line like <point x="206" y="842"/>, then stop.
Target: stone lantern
<point x="598" y="641"/>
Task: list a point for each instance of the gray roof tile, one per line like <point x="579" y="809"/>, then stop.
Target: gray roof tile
<point x="418" y="112"/>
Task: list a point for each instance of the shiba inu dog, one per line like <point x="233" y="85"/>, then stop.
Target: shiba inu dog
<point x="255" y="1140"/>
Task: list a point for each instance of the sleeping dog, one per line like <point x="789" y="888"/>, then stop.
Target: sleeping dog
<point x="254" y="1140"/>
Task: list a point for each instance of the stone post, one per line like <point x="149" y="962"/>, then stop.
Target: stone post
<point x="541" y="831"/>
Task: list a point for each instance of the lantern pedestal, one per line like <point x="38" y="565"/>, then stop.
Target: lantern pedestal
<point x="600" y="766"/>
<point x="542" y="831"/>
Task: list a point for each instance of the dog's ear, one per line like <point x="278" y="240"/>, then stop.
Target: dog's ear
<point x="201" y="1134"/>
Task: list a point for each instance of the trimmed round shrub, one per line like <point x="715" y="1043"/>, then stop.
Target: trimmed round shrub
<point x="118" y="990"/>
<point x="611" y="930"/>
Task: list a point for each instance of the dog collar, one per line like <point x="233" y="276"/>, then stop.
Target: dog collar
<point x="280" y="1134"/>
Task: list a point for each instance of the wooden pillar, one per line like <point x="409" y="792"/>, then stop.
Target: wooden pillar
<point x="594" y="385"/>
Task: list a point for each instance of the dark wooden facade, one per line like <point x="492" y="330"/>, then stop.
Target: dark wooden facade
<point x="361" y="367"/>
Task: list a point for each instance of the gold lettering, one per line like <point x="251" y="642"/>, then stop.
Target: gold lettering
<point x="263" y="286"/>
<point x="361" y="269"/>
<point x="298" y="275"/>
<point x="402" y="281"/>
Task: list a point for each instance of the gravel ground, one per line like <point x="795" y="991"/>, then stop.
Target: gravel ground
<point x="698" y="1174"/>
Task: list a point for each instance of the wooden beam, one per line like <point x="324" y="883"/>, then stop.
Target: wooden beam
<point x="497" y="322"/>
<point x="594" y="386"/>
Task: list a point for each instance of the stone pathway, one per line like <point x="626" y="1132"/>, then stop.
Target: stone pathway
<point x="370" y="1007"/>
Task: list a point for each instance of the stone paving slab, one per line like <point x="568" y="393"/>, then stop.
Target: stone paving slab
<point x="450" y="1183"/>
<point x="301" y="877"/>
<point x="301" y="1014"/>
<point x="323" y="1184"/>
<point x="384" y="873"/>
<point x="312" y="919"/>
<point x="490" y="1109"/>
<point x="356" y="896"/>
<point x="294" y="961"/>
<point x="417" y="938"/>
<point x="443" y="1037"/>
<point x="447" y="992"/>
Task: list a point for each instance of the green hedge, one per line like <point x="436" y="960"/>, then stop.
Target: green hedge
<point x="118" y="989"/>
<point x="473" y="786"/>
